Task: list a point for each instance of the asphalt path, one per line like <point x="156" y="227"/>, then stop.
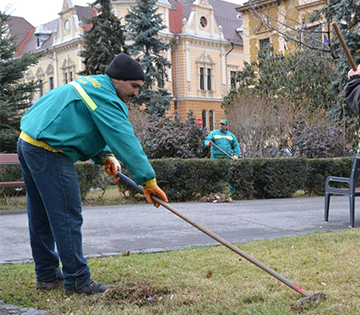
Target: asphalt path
<point x="143" y="228"/>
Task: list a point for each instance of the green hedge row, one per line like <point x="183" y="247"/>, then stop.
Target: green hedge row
<point x="191" y="179"/>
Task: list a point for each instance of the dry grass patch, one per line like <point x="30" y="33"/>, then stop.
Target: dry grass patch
<point x="210" y="280"/>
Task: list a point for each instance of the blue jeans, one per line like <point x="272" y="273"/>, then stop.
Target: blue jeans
<point x="54" y="212"/>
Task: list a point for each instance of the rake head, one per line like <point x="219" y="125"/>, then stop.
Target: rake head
<point x="311" y="299"/>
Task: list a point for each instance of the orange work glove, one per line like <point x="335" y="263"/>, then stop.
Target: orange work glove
<point x="156" y="191"/>
<point x="112" y="167"/>
<point x="210" y="143"/>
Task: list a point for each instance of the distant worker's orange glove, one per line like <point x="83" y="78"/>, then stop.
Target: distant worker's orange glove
<point x="154" y="190"/>
<point x="112" y="167"/>
<point x="210" y="143"/>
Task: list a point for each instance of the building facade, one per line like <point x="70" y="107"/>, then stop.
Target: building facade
<point x="207" y="50"/>
<point x="271" y="22"/>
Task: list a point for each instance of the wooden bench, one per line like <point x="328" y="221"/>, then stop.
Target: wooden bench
<point x="350" y="191"/>
<point x="10" y="159"/>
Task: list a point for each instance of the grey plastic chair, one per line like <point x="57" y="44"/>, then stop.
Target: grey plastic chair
<point x="351" y="191"/>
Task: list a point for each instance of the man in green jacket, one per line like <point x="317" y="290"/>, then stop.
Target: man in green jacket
<point x="86" y="119"/>
<point x="226" y="145"/>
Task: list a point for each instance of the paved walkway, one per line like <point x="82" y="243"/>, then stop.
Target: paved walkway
<point x="143" y="228"/>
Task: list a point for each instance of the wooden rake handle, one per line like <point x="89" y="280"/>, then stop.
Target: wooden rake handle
<point x="344" y="46"/>
<point x="219" y="239"/>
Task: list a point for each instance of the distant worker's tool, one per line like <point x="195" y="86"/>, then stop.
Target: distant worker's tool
<point x="344" y="46"/>
<point x="217" y="147"/>
<point x="308" y="298"/>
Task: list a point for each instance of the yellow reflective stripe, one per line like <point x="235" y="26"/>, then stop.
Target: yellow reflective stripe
<point x="86" y="98"/>
<point x="37" y="143"/>
<point x="149" y="183"/>
<point x="230" y="138"/>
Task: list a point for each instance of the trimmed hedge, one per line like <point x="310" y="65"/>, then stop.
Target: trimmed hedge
<point x="319" y="169"/>
<point x="90" y="176"/>
<point x="10" y="173"/>
<point x="191" y="179"/>
<point x="185" y="180"/>
<point x="268" y="178"/>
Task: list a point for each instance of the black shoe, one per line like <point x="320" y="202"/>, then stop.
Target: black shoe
<point x="91" y="288"/>
<point x="49" y="285"/>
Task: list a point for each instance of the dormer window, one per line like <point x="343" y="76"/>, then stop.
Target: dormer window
<point x="42" y="35"/>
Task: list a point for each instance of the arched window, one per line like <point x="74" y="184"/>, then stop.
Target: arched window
<point x="204" y="118"/>
<point x="211" y="120"/>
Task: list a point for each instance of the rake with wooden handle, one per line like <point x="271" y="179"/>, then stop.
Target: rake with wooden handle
<point x="307" y="297"/>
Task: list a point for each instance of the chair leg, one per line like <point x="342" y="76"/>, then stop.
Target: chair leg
<point x="327" y="206"/>
<point x="352" y="210"/>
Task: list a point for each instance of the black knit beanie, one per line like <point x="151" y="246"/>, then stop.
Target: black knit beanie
<point x="123" y="67"/>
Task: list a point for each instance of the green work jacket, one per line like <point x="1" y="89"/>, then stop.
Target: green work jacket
<point x="224" y="140"/>
<point x="88" y="126"/>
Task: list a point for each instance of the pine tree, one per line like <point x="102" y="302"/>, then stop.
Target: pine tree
<point x="15" y="97"/>
<point x="103" y="41"/>
<point x="143" y="25"/>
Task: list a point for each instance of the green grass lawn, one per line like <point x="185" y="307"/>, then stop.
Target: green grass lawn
<point x="209" y="280"/>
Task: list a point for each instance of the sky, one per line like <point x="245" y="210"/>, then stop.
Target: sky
<point x="38" y="12"/>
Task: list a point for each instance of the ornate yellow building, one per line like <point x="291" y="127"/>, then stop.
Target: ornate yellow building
<point x="207" y="50"/>
<point x="272" y="22"/>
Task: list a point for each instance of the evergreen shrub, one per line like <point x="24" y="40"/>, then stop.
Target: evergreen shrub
<point x="10" y="173"/>
<point x="319" y="169"/>
<point x="279" y="177"/>
<point x="241" y="177"/>
<point x="90" y="176"/>
<point x="191" y="179"/>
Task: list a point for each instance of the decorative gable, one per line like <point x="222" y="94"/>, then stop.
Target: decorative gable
<point x="39" y="73"/>
<point x="262" y="28"/>
<point x="201" y="21"/>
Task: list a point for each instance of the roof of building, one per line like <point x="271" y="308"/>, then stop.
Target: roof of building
<point x="31" y="44"/>
<point x="25" y="32"/>
<point x="84" y="13"/>
<point x="225" y="15"/>
<point x="19" y="27"/>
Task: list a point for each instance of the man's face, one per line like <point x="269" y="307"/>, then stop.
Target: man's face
<point x="222" y="127"/>
<point x="126" y="89"/>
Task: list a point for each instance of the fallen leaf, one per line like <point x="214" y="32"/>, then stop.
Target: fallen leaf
<point x="208" y="275"/>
